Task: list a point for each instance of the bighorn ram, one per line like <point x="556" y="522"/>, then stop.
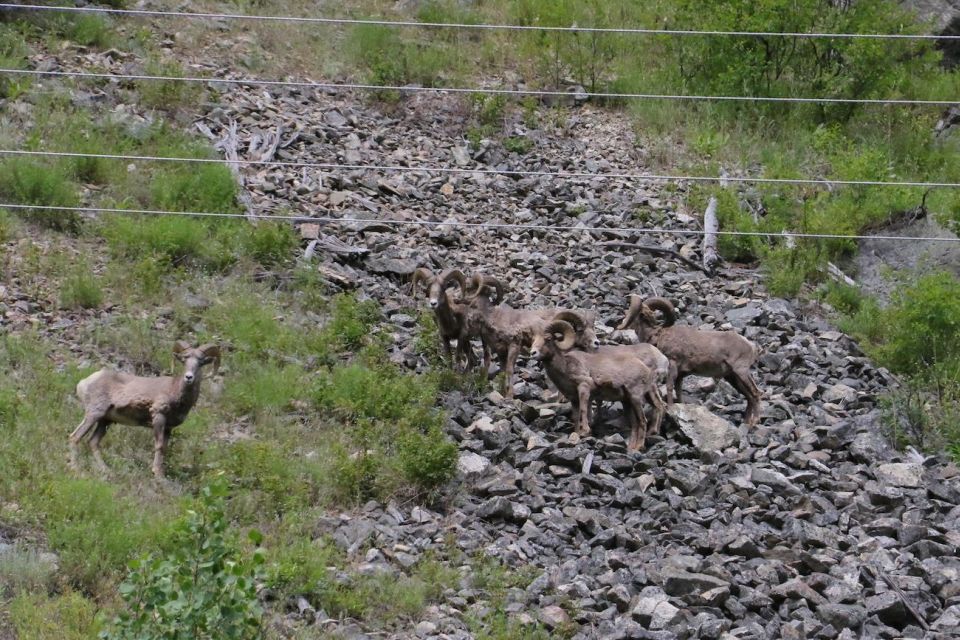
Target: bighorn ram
<point x="448" y="312"/>
<point x="505" y="331"/>
<point x="610" y="373"/>
<point x="715" y="354"/>
<point x="162" y="403"/>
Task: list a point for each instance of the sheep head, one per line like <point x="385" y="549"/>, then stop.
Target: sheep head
<point x="194" y="358"/>
<point x="481" y="285"/>
<point x="641" y="313"/>
<point x="558" y="334"/>
<point x="583" y="325"/>
<point x="421" y="276"/>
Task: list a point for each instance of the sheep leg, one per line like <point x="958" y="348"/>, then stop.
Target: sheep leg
<point x="672" y="383"/>
<point x="88" y="422"/>
<point x="633" y="408"/>
<point x="744" y="383"/>
<point x="513" y="351"/>
<point x="98" y="434"/>
<point x="160" y="435"/>
<point x="678" y="387"/>
<point x="583" y="400"/>
<point x="659" y="409"/>
<point x="445" y="347"/>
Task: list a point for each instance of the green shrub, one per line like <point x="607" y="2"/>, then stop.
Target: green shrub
<point x="205" y="187"/>
<point x="351" y="321"/>
<point x="24" y="570"/>
<point x="90" y="30"/>
<point x="168" y="241"/>
<point x="392" y="60"/>
<point x="269" y="243"/>
<point x="13" y="55"/>
<point x="204" y="589"/>
<point x="9" y="406"/>
<point x="33" y="183"/>
<point x="69" y="616"/>
<point x="167" y="95"/>
<point x="268" y="479"/>
<point x="260" y="387"/>
<point x="94" y="530"/>
<point x="80" y="289"/>
<point x="428" y="458"/>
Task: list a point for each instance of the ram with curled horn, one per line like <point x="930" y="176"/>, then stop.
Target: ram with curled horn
<point x="448" y="312"/>
<point x="692" y="351"/>
<point x="505" y="332"/>
<point x="609" y="373"/>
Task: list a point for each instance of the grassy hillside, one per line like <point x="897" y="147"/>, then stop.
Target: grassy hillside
<point x="113" y="290"/>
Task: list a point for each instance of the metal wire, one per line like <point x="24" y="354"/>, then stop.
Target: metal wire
<point x="472" y="225"/>
<point x="460" y="170"/>
<point x="464" y="90"/>
<point x="481" y="26"/>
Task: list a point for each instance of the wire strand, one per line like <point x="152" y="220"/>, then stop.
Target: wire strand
<point x="480" y="26"/>
<point x="473" y="225"/>
<point x="472" y="90"/>
<point x="466" y="171"/>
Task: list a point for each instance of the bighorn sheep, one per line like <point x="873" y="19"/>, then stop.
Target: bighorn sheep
<point x="448" y="312"/>
<point x="162" y="403"/>
<point x="505" y="331"/>
<point x="610" y="373"/>
<point x="715" y="354"/>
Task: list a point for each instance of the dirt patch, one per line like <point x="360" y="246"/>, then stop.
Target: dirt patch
<point x="877" y="258"/>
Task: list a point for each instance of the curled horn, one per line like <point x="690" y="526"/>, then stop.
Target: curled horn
<point x="420" y="275"/>
<point x="636" y="303"/>
<point x="496" y="285"/>
<point x="453" y="275"/>
<point x="179" y="346"/>
<point x="664" y="305"/>
<point x="565" y="328"/>
<point x="211" y="351"/>
<point x="577" y="321"/>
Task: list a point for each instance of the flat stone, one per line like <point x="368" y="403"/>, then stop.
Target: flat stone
<point x="901" y="474"/>
<point x="471" y="463"/>
<point x="554" y="616"/>
<point x="706" y="431"/>
<point x="839" y="393"/>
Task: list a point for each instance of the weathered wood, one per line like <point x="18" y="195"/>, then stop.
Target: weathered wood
<point x="877" y="571"/>
<point x="228" y="144"/>
<point x="834" y="272"/>
<point x="710" y="227"/>
<point x="655" y="251"/>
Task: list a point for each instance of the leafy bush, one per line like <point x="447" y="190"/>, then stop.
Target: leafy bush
<point x="269" y="243"/>
<point x="169" y="242"/>
<point x="205" y="187"/>
<point x="33" y="183"/>
<point x="391" y="60"/>
<point x="94" y="530"/>
<point x="70" y="616"/>
<point x="90" y="30"/>
<point x="80" y="289"/>
<point x="167" y="95"/>
<point x="13" y="55"/>
<point x="204" y="589"/>
<point x="351" y="321"/>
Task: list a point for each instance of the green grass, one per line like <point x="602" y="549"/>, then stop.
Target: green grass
<point x="28" y="182"/>
<point x="70" y="616"/>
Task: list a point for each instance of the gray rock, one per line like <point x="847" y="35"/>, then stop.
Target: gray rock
<point x="901" y="474"/>
<point x="470" y="463"/>
<point x="554" y="616"/>
<point x="839" y="393"/>
<point x="842" y="616"/>
<point x="707" y="431"/>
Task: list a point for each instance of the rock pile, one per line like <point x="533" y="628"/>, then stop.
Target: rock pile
<point x="808" y="526"/>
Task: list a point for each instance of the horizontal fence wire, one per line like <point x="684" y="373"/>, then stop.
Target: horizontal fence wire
<point x="478" y="25"/>
<point x="333" y="166"/>
<point x="257" y="82"/>
<point x="470" y="225"/>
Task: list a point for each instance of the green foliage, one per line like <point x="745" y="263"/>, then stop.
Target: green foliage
<point x="94" y="529"/>
<point x="206" y="187"/>
<point x="167" y="95"/>
<point x="90" y="30"/>
<point x="169" y="242"/>
<point x="36" y="616"/>
<point x="34" y="183"/>
<point x="269" y="243"/>
<point x="259" y="387"/>
<point x="9" y="407"/>
<point x="391" y="59"/>
<point x="265" y="478"/>
<point x="13" y="55"/>
<point x="80" y="289"/>
<point x="351" y="321"/>
<point x="205" y="588"/>
<point x="24" y="570"/>
<point x="518" y="144"/>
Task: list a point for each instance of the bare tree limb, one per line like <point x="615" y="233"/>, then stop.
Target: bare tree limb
<point x="655" y="251"/>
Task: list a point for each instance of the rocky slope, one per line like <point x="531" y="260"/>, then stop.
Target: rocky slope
<point x="807" y="526"/>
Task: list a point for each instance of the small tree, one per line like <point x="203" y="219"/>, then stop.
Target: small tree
<point x="203" y="590"/>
